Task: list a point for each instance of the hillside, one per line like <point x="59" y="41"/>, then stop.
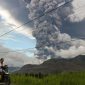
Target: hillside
<point x="56" y="65"/>
<point x="13" y="69"/>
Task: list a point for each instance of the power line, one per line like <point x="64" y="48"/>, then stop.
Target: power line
<point x="24" y="50"/>
<point x="60" y="5"/>
<point x="66" y="17"/>
<point x="37" y="18"/>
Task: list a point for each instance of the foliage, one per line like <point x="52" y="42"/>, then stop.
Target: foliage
<point x="70" y="78"/>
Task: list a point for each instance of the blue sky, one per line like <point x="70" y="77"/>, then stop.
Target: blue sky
<point x="13" y="13"/>
<point x="18" y="39"/>
<point x="21" y="42"/>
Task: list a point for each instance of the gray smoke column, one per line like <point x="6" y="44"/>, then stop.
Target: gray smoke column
<point x="47" y="28"/>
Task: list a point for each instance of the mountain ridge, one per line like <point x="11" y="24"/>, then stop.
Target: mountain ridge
<point x="56" y="65"/>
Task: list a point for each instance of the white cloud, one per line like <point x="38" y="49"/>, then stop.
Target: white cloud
<point x="79" y="11"/>
<point x="71" y="52"/>
<point x="3" y="29"/>
<point x="8" y="23"/>
<point x="16" y="58"/>
<point x="78" y="42"/>
<point x="8" y="19"/>
<point x="5" y="14"/>
<point x="64" y="37"/>
<point x="77" y="48"/>
<point x="78" y="45"/>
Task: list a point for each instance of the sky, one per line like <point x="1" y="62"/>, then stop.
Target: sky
<point x="13" y="13"/>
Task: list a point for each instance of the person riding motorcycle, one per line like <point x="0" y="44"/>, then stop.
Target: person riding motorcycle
<point x="4" y="72"/>
<point x="3" y="69"/>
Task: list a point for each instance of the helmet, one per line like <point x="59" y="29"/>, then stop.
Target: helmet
<point x="2" y="60"/>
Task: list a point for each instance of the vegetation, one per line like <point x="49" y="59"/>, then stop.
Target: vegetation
<point x="70" y="78"/>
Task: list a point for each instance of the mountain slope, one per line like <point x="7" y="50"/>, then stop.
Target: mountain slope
<point x="56" y="65"/>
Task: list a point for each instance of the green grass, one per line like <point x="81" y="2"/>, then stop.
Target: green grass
<point x="71" y="78"/>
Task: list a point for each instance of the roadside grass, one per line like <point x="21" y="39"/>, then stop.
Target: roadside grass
<point x="70" y="78"/>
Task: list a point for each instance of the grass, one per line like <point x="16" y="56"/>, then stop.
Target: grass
<point x="71" y="78"/>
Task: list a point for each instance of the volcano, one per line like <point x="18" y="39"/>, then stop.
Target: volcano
<point x="56" y="65"/>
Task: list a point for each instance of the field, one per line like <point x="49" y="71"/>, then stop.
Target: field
<point x="71" y="78"/>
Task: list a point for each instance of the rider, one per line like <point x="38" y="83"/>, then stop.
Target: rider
<point x="1" y="68"/>
<point x="1" y="62"/>
<point x="4" y="73"/>
<point x="4" y="67"/>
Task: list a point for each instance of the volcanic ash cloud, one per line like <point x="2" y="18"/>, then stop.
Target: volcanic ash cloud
<point x="47" y="28"/>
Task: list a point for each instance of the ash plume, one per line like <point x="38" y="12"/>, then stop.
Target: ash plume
<point x="47" y="28"/>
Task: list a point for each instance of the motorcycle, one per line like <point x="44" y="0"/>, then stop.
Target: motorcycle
<point x="4" y="75"/>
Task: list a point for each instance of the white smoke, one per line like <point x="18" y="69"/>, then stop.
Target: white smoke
<point x="71" y="52"/>
<point x="50" y="41"/>
<point x="78" y="9"/>
<point x="16" y="58"/>
<point x="12" y="23"/>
